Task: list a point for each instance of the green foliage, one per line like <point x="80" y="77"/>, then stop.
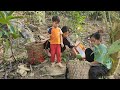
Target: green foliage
<point x="110" y="18"/>
<point x="0" y="34"/>
<point x="115" y="47"/>
<point x="65" y="55"/>
<point x="10" y="32"/>
<point x="9" y="12"/>
<point x="77" y="19"/>
<point x="5" y="19"/>
<point x="115" y="16"/>
<point x="93" y="15"/>
<point x="78" y="56"/>
<point x="64" y="59"/>
<point x="35" y="17"/>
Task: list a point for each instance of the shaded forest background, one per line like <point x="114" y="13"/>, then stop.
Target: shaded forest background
<point x="20" y="27"/>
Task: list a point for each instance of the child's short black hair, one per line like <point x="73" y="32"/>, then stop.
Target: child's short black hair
<point x="65" y="29"/>
<point x="97" y="36"/>
<point x="55" y="18"/>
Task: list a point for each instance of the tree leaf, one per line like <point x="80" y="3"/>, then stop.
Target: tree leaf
<point x="64" y="59"/>
<point x="13" y="17"/>
<point x="9" y="12"/>
<point x="1" y="34"/>
<point x="12" y="30"/>
<point x="15" y="35"/>
<point x="5" y="33"/>
<point x="2" y="14"/>
<point x="115" y="47"/>
<point x="3" y="21"/>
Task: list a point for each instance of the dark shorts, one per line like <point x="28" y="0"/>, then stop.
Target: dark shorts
<point x="89" y="55"/>
<point x="96" y="72"/>
<point x="66" y="42"/>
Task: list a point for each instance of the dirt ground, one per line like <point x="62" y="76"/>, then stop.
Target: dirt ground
<point x="38" y="71"/>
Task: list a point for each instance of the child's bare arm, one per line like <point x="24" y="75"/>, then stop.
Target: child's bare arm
<point x="74" y="51"/>
<point x="61" y="39"/>
<point x="49" y="35"/>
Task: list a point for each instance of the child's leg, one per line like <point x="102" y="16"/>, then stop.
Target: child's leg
<point x="58" y="53"/>
<point x="48" y="52"/>
<point x="53" y="51"/>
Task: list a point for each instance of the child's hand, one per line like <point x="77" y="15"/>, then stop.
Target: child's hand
<point x="62" y="45"/>
<point x="49" y="54"/>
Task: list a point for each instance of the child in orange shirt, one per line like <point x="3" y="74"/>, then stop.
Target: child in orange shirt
<point x="56" y="41"/>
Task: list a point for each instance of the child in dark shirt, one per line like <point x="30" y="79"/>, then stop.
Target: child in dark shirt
<point x="66" y="41"/>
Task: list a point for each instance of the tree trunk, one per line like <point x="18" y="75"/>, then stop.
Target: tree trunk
<point x="115" y="55"/>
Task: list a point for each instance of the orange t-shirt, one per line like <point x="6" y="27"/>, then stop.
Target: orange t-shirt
<point x="55" y="35"/>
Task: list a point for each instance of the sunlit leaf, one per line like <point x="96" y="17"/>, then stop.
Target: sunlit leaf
<point x="13" y="17"/>
<point x="3" y="21"/>
<point x="5" y="33"/>
<point x="12" y="30"/>
<point x="115" y="47"/>
<point x="10" y="13"/>
<point x="15" y="35"/>
<point x="2" y="14"/>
